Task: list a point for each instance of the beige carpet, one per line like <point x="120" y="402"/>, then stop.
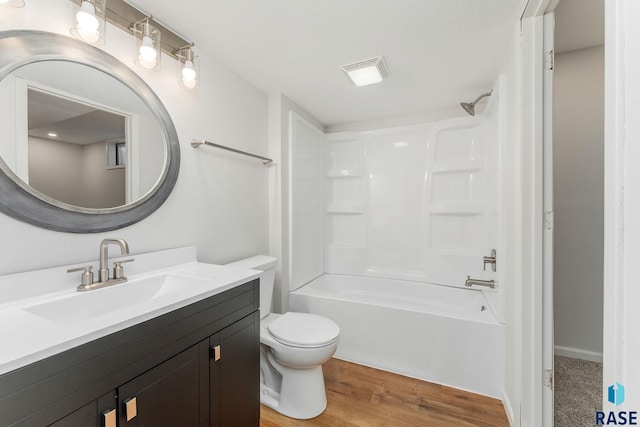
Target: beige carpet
<point x="578" y="392"/>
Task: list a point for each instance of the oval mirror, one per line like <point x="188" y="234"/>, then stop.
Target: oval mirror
<point x="88" y="146"/>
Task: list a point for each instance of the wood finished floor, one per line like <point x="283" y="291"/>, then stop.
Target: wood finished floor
<point x="362" y="396"/>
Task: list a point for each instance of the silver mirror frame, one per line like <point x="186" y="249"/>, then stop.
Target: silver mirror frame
<point x="18" y="200"/>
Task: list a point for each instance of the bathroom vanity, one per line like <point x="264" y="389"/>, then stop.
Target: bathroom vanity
<point x="184" y="352"/>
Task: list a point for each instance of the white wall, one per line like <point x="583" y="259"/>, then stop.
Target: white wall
<point x="578" y="138"/>
<point x="220" y="200"/>
<point x="103" y="187"/>
<point x="61" y="160"/>
<point x="75" y="174"/>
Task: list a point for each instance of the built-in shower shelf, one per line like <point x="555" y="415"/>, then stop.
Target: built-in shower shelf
<point x="346" y="208"/>
<point x="460" y="166"/>
<point x="344" y="173"/>
<point x="456" y="208"/>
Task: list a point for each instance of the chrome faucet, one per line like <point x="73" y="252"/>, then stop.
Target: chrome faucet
<point x="103" y="275"/>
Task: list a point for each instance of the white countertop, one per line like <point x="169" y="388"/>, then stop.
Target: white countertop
<point x="42" y="314"/>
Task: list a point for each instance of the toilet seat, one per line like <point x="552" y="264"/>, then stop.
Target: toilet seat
<point x="304" y="330"/>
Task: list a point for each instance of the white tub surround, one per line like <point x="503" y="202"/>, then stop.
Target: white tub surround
<point x="413" y="203"/>
<point x="42" y="313"/>
<point x="440" y="334"/>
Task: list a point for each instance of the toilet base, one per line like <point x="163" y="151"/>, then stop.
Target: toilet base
<point x="302" y="394"/>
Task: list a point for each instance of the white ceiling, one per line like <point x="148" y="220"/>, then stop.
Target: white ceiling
<point x="439" y="52"/>
<point x="71" y="121"/>
<point x="579" y="24"/>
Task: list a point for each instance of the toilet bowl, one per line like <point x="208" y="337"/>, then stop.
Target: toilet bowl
<point x="293" y="347"/>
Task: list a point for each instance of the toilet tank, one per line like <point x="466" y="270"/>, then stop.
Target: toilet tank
<point x="267" y="264"/>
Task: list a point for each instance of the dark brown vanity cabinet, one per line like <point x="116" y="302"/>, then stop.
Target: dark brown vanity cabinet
<point x="100" y="413"/>
<point x="196" y="366"/>
<point x="211" y="384"/>
<point x="174" y="393"/>
<point x="235" y="376"/>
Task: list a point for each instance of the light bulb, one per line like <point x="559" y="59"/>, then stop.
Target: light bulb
<point x="147" y="54"/>
<point x="189" y="75"/>
<point x="86" y="17"/>
<point x="88" y="24"/>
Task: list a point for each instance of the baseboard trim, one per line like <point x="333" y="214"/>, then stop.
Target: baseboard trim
<point x="508" y="409"/>
<point x="578" y="353"/>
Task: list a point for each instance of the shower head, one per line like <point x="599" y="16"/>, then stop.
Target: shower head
<point x="470" y="107"/>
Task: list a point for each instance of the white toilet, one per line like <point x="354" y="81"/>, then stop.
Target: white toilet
<point x="293" y="348"/>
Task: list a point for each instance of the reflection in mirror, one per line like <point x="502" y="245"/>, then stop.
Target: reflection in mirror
<point x="72" y="155"/>
<point x="75" y="130"/>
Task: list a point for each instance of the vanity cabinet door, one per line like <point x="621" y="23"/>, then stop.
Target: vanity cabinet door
<point x="168" y="395"/>
<point x="99" y="413"/>
<point x="235" y="374"/>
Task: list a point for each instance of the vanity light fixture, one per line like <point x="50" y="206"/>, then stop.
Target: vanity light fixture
<point x="366" y="72"/>
<point x="12" y="3"/>
<point x="146" y="31"/>
<point x="90" y="22"/>
<point x="147" y="44"/>
<point x="188" y="66"/>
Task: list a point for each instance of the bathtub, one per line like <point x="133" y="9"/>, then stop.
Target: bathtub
<point x="440" y="334"/>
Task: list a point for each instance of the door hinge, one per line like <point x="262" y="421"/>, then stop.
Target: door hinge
<point x="548" y="378"/>
<point x="548" y="220"/>
<point x="549" y="60"/>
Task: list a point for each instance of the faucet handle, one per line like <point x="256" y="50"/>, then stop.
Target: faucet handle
<point x="87" y="274"/>
<point x="491" y="260"/>
<point x="118" y="269"/>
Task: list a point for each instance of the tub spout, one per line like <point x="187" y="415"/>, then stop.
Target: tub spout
<point x="488" y="283"/>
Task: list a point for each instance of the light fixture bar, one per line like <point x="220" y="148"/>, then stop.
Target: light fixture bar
<point x="123" y="15"/>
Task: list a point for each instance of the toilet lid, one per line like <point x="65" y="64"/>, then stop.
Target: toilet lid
<point x="304" y="330"/>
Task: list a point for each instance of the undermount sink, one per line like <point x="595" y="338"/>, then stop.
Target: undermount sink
<point x="85" y="305"/>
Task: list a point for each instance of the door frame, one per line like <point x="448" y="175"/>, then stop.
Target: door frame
<point x="537" y="216"/>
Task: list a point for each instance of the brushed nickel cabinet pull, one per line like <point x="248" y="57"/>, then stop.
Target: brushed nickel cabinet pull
<point x="216" y="353"/>
<point x="130" y="408"/>
<point x="109" y="418"/>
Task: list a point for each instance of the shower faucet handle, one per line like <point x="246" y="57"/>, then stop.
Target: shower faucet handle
<point x="489" y="260"/>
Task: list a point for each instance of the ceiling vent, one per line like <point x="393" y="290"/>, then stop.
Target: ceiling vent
<point x="366" y="72"/>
